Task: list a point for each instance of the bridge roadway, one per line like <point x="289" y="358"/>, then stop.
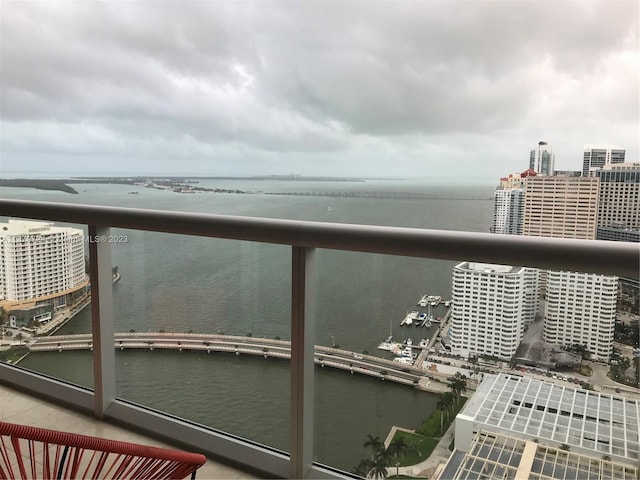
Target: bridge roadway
<point x="324" y="356"/>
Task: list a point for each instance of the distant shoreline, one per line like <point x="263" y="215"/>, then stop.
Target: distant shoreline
<point x="38" y="184"/>
<point x="62" y="184"/>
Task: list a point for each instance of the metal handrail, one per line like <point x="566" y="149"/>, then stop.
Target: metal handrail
<point x="613" y="258"/>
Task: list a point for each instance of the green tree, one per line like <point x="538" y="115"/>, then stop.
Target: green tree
<point x="623" y="364"/>
<point x="458" y="385"/>
<point x="4" y="316"/>
<point x="450" y="400"/>
<point x="374" y="444"/>
<point x="380" y="464"/>
<point x="580" y="349"/>
<point x="363" y="468"/>
<point x="397" y="449"/>
<point x="443" y="405"/>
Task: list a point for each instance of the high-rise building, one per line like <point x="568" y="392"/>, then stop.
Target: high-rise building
<point x="619" y="196"/>
<point x="580" y="309"/>
<point x="542" y="160"/>
<point x="597" y="156"/>
<point x="565" y="207"/>
<point x="508" y="204"/>
<point x="507" y="211"/>
<point x="40" y="262"/>
<point x="618" y="233"/>
<point x="492" y="306"/>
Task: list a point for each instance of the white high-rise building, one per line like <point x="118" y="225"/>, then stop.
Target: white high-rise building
<point x="492" y="307"/>
<point x="597" y="156"/>
<point x="507" y="211"/>
<point x="542" y="160"/>
<point x="508" y="204"/>
<point x="39" y="262"/>
<point x="580" y="309"/>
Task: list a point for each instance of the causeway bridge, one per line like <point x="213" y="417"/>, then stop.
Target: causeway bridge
<point x="380" y="194"/>
<point x="353" y="362"/>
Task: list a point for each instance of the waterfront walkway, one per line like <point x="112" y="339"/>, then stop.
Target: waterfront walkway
<point x="436" y="460"/>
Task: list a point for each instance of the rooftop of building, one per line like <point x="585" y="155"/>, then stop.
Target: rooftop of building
<point x="602" y="147"/>
<point x="28" y="227"/>
<point x="560" y="414"/>
<point x="496" y="456"/>
<point x="622" y="166"/>
<point x="488" y="268"/>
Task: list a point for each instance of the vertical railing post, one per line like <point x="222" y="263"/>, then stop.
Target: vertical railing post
<point x="303" y="293"/>
<point x="101" y="277"/>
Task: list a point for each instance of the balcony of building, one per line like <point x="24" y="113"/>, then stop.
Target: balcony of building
<point x="100" y="408"/>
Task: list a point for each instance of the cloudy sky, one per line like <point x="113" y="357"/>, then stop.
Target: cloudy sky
<point x="416" y="88"/>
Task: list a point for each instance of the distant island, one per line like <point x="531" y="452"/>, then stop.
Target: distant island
<point x="177" y="184"/>
<point x="38" y="184"/>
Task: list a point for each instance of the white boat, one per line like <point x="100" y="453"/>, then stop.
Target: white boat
<point x="408" y="320"/>
<point x="389" y="346"/>
<point x="403" y="360"/>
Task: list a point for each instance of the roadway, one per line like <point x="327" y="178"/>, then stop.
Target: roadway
<point x="324" y="356"/>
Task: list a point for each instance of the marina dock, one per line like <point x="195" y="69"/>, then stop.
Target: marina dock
<point x="404" y="351"/>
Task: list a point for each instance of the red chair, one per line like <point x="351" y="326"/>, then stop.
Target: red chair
<point x="37" y="453"/>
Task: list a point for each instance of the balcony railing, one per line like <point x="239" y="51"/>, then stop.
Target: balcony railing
<point x="614" y="258"/>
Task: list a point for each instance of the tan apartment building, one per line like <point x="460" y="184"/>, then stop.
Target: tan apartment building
<point x="619" y="202"/>
<point x="565" y="207"/>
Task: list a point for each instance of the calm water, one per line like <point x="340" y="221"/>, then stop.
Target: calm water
<point x="178" y="283"/>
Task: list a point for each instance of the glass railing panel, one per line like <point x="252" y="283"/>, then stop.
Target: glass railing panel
<point x="44" y="291"/>
<point x="363" y="300"/>
<point x="212" y="319"/>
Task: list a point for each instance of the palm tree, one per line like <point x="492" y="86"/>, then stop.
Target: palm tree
<point x="374" y="444"/>
<point x="450" y="400"/>
<point x="443" y="406"/>
<point x="458" y="385"/>
<point x="380" y="464"/>
<point x="363" y="468"/>
<point x="397" y="449"/>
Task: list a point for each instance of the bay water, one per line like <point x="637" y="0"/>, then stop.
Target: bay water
<point x="188" y="284"/>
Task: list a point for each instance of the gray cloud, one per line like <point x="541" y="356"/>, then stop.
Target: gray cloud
<point x="316" y="87"/>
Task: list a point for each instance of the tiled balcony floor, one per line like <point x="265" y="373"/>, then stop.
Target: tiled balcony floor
<point x="18" y="407"/>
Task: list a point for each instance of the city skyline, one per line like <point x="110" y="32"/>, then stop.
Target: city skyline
<point x="383" y="90"/>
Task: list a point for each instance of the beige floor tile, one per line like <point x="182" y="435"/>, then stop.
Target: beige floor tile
<point x="20" y="408"/>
